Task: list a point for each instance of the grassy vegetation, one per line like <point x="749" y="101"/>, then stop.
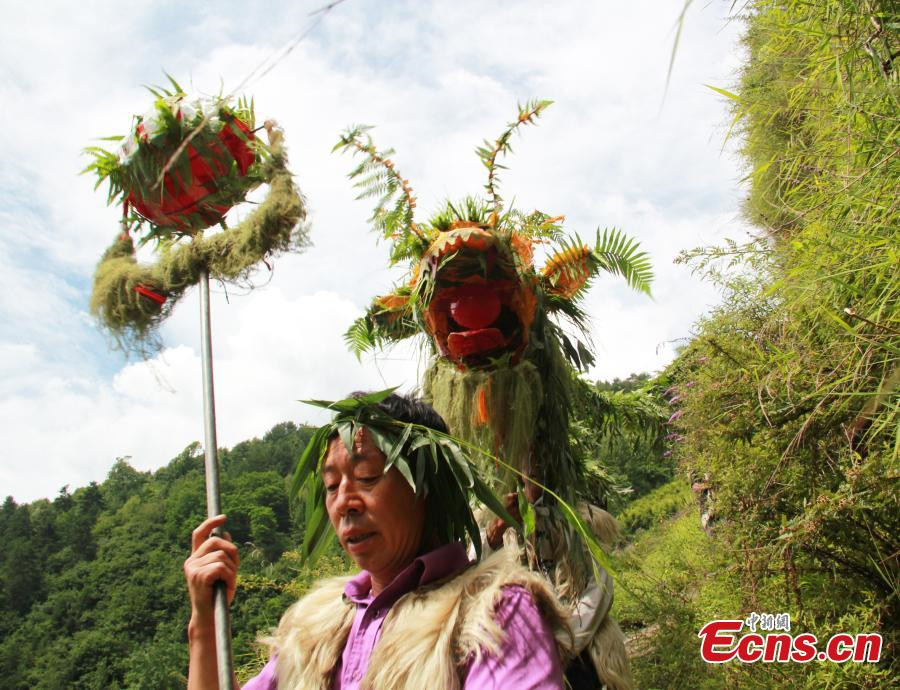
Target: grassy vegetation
<point x="672" y="579"/>
<point x="788" y="392"/>
<point x="91" y="589"/>
<point x="652" y="509"/>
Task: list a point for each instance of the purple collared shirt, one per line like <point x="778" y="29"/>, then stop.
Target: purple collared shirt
<point x="527" y="659"/>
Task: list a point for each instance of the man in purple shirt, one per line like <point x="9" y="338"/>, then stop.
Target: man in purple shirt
<point x="419" y="607"/>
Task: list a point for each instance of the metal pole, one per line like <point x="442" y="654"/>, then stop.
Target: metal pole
<point x="213" y="504"/>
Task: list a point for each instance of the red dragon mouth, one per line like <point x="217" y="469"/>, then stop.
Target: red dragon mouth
<point x="470" y="311"/>
<point x="480" y="310"/>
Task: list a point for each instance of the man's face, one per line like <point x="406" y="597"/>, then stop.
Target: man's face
<point x="376" y="516"/>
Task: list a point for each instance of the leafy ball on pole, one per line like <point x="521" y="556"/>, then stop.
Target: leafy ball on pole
<point x="183" y="165"/>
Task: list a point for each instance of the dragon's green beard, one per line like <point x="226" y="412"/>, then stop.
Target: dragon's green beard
<point x="527" y="426"/>
<point x="512" y="399"/>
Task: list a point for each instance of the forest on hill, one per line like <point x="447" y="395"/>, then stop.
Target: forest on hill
<point x="764" y="478"/>
<point x="91" y="589"/>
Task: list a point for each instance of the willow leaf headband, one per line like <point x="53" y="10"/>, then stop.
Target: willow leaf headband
<point x="434" y="464"/>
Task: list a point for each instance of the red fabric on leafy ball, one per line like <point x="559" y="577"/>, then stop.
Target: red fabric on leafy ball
<point x="471" y="342"/>
<point x="178" y="199"/>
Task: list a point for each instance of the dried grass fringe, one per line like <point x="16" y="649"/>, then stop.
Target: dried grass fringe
<point x="513" y="398"/>
<point x="133" y="320"/>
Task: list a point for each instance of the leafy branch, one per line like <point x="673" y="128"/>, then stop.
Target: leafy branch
<point x="377" y="177"/>
<point x="616" y="253"/>
<point x="441" y="471"/>
<point x="361" y="336"/>
<point x="489" y="152"/>
<point x="572" y="267"/>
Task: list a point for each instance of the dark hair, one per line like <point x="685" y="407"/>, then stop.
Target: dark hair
<point x="410" y="410"/>
<point x="407" y="409"/>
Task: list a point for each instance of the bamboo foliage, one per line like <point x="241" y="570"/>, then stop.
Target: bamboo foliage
<point x="790" y="391"/>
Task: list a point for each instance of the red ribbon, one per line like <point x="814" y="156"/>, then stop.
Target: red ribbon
<point x="144" y="291"/>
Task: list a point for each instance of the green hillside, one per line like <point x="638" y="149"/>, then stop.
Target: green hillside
<point x="92" y="590"/>
<point x="93" y="594"/>
<point x="787" y="395"/>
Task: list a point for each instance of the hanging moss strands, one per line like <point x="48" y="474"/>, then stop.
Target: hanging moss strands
<point x="182" y="167"/>
<point x="491" y="423"/>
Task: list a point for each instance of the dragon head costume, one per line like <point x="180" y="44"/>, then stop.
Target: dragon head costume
<point x="503" y="368"/>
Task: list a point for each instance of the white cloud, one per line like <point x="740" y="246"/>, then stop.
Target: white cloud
<point x="436" y="78"/>
<point x="270" y="350"/>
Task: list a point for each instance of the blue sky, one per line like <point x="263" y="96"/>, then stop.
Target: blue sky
<point x="436" y="79"/>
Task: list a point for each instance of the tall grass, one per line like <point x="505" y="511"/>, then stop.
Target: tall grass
<point x="791" y="389"/>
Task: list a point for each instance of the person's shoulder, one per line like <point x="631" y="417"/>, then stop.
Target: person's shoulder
<point x="515" y="593"/>
<point x="532" y="598"/>
<point x="502" y="564"/>
<point x="516" y="602"/>
<point x="513" y="629"/>
<point x="501" y="580"/>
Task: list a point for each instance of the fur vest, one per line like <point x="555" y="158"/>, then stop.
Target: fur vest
<point x="425" y="639"/>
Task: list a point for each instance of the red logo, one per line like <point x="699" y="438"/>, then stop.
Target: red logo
<point x="720" y="642"/>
